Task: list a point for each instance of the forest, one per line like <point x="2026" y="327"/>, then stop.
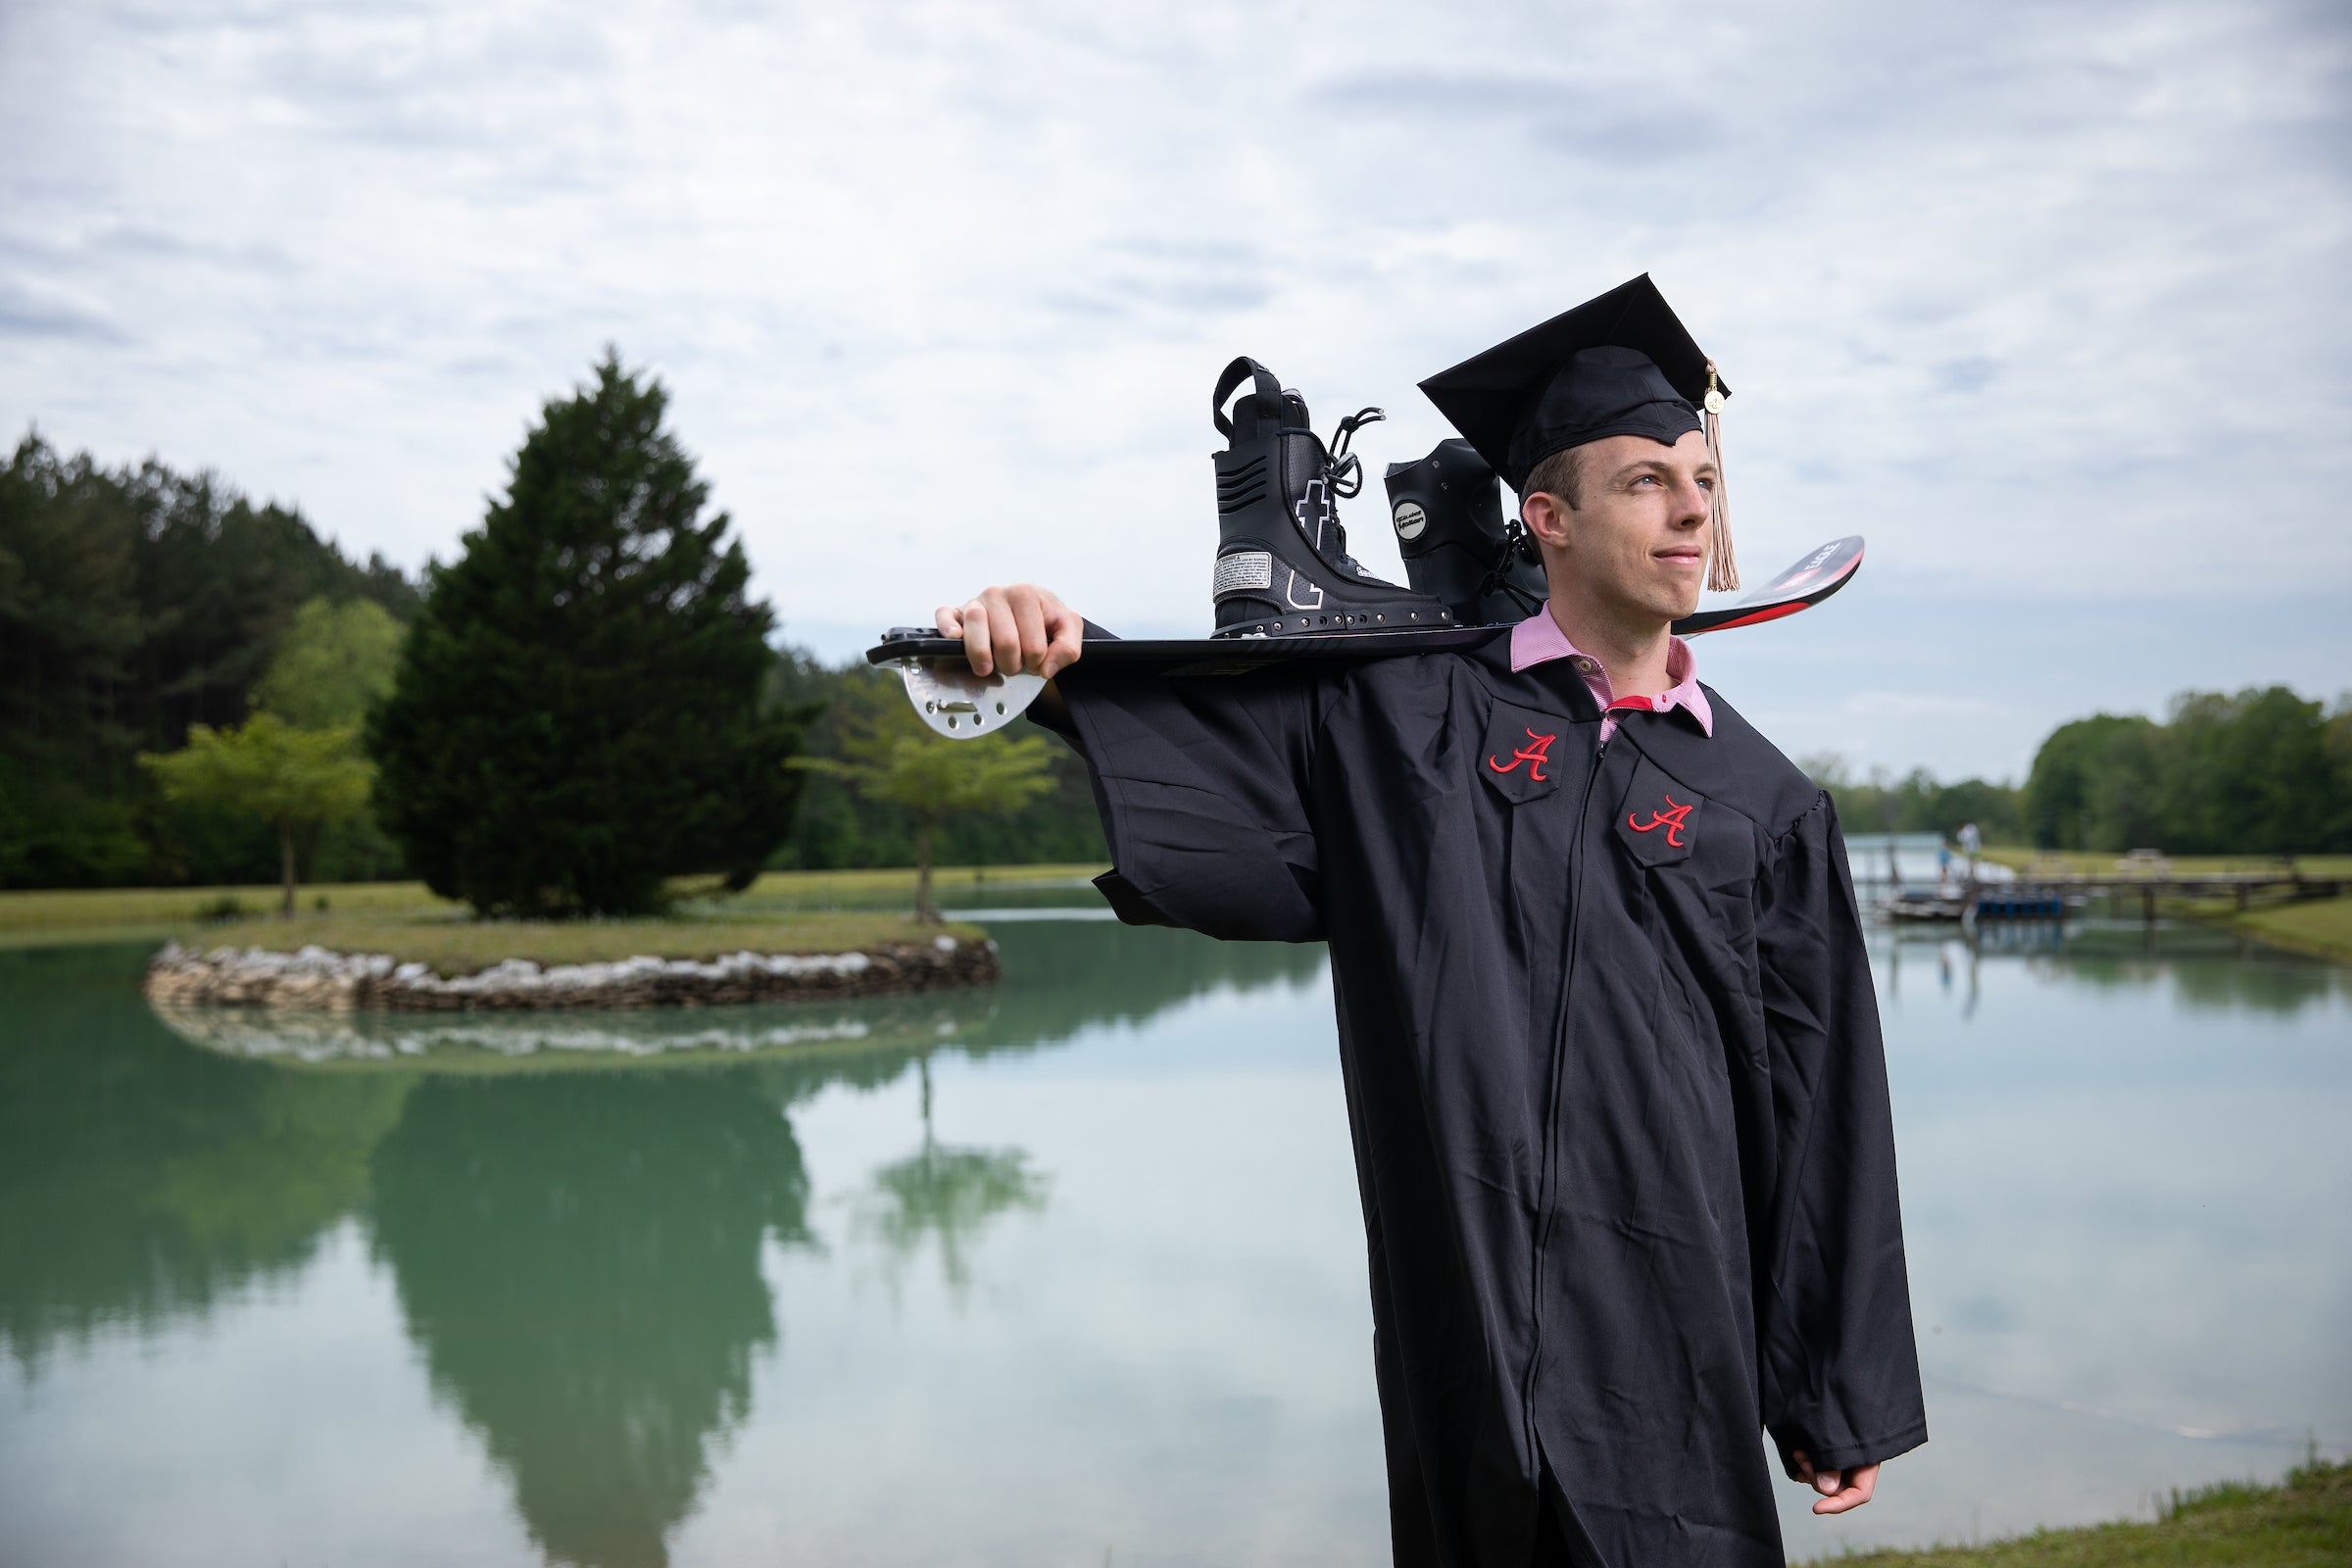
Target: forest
<point x="138" y="602"/>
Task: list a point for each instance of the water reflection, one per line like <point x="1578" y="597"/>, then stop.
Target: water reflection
<point x="578" y="1256"/>
<point x="2207" y="969"/>
<point x="573" y="1209"/>
<point x="1123" y="1307"/>
<point x="142" y="1180"/>
<point x="1059" y="978"/>
<point x="947" y="1194"/>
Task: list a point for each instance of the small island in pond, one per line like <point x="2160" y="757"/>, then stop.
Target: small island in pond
<point x="315" y="977"/>
<point x="445" y="964"/>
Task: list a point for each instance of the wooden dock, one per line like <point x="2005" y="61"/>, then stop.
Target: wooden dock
<point x="2242" y="887"/>
<point x="2042" y="891"/>
<point x="2045" y="895"/>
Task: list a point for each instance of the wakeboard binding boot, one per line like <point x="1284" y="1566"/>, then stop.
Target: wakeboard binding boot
<point x="1283" y="567"/>
<point x="1457" y="547"/>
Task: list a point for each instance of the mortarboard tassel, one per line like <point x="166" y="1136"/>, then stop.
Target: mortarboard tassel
<point x="1723" y="567"/>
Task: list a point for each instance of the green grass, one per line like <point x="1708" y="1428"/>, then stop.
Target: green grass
<point x="2102" y="864"/>
<point x="784" y="911"/>
<point x="2322" y="927"/>
<point x="801" y="890"/>
<point x="100" y="913"/>
<point x="2305" y="1521"/>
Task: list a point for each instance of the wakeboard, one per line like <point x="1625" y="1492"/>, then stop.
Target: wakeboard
<point x="962" y="705"/>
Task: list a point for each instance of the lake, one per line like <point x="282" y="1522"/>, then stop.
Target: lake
<point x="1070" y="1271"/>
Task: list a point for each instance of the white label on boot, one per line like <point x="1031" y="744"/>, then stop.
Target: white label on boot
<point x="1244" y="570"/>
<point x="1410" y="520"/>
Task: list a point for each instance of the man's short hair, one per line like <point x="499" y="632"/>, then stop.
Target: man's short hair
<point x="1561" y="474"/>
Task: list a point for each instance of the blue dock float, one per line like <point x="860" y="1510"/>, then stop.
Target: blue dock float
<point x="2023" y="903"/>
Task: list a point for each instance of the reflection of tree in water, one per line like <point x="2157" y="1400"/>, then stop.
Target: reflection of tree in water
<point x="2212" y="967"/>
<point x="579" y="1258"/>
<point x="577" y="1253"/>
<point x="946" y="1192"/>
<point x="140" y="1179"/>
<point x="1065" y="976"/>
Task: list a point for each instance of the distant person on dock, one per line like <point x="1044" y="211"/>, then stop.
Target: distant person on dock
<point x="1607" y="1033"/>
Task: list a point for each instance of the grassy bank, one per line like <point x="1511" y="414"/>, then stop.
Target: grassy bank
<point x="2322" y="927"/>
<point x="2305" y="1521"/>
<point x="791" y="911"/>
<point x="2319" y="927"/>
<point x="2083" y="863"/>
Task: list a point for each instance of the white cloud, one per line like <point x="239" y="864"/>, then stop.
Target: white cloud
<point x="2044" y="299"/>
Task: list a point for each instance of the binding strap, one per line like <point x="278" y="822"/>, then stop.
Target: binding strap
<point x="1244" y="368"/>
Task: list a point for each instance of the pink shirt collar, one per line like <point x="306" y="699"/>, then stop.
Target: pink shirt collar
<point x="1539" y="640"/>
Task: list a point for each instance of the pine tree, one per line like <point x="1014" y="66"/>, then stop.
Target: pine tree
<point x="577" y="713"/>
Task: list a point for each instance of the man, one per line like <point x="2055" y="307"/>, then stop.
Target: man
<point x="1607" y="1034"/>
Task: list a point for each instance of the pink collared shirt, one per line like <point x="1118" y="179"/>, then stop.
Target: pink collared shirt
<point x="1539" y="639"/>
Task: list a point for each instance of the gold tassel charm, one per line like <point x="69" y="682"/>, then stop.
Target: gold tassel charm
<point x="1723" y="567"/>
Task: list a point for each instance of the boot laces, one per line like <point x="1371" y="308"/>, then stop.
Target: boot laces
<point x="1516" y="542"/>
<point x="1344" y="477"/>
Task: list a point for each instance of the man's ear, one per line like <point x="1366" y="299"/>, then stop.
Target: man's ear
<point x="1547" y="517"/>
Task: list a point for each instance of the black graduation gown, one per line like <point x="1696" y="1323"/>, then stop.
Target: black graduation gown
<point x="1613" y="1075"/>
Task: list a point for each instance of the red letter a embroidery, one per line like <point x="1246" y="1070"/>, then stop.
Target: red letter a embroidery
<point x="1533" y="754"/>
<point x="1671" y="819"/>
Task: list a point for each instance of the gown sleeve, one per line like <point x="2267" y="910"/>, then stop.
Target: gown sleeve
<point x="1838" y="1362"/>
<point x="1201" y="786"/>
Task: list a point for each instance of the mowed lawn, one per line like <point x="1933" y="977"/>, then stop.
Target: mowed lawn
<point x="787" y="911"/>
<point x="2099" y="862"/>
<point x="2322" y="927"/>
<point x="2306" y="1522"/>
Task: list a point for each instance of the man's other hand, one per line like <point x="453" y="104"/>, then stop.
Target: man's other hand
<point x="1023" y="627"/>
<point x="1841" y="1490"/>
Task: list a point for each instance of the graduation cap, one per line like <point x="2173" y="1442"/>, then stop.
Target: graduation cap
<point x="1619" y="364"/>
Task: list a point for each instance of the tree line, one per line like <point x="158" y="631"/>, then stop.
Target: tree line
<point x="197" y="689"/>
<point x="136" y="602"/>
<point x="2261" y="771"/>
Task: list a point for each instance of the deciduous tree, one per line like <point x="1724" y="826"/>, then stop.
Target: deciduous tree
<point x="886" y="754"/>
<point x="332" y="662"/>
<point x="289" y="777"/>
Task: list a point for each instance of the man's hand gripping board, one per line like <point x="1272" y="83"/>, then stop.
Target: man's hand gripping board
<point x="959" y="704"/>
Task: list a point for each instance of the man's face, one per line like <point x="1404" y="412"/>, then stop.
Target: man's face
<point x="1637" y="541"/>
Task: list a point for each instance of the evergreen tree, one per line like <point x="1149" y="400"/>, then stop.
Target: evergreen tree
<point x="134" y="603"/>
<point x="577" y="713"/>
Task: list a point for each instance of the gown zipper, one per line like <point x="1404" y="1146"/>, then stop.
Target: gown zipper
<point x="1552" y="1109"/>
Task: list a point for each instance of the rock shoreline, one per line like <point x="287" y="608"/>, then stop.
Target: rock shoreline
<point x="315" y="978"/>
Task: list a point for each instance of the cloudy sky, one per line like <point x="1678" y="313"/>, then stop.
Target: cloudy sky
<point x="2047" y="300"/>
